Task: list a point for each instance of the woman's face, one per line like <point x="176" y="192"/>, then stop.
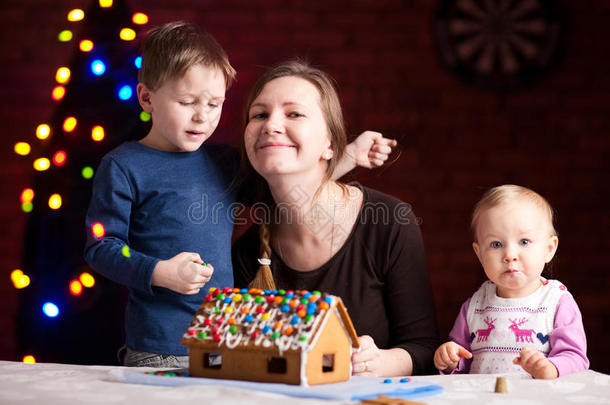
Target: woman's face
<point x="287" y="131"/>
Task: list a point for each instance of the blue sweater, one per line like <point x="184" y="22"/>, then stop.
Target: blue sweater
<point x="160" y="204"/>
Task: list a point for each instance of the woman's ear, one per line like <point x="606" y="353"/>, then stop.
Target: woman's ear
<point x="328" y="154"/>
<point x="552" y="244"/>
<point x="144" y="97"/>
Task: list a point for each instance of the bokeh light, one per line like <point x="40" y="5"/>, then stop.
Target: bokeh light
<point x="144" y="116"/>
<point x="19" y="279"/>
<point x="98" y="67"/>
<point x="41" y="164"/>
<point x="27" y="207"/>
<point x="59" y="158"/>
<point x="98" y="230"/>
<point x="127" y="34"/>
<point x="105" y="3"/>
<point x="76" y="15"/>
<point x="87" y="172"/>
<point x="125" y="251"/>
<point x="85" y="45"/>
<point x="22" y="148"/>
<point x="87" y="280"/>
<point x="58" y="93"/>
<point x="76" y="288"/>
<point x="62" y="76"/>
<point x="64" y="36"/>
<point x="139" y="18"/>
<point x="49" y="309"/>
<point x="43" y="131"/>
<point x="137" y="62"/>
<point x="97" y="133"/>
<point x="27" y="195"/>
<point x="55" y="201"/>
<point x="69" y="124"/>
<point x="125" y="92"/>
<point x="29" y="359"/>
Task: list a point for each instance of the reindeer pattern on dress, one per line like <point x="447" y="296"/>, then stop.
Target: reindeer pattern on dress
<point x="521" y="334"/>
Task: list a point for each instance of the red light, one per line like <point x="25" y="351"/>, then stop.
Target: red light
<point x="76" y="288"/>
<point x="98" y="230"/>
<point x="59" y="158"/>
<point x="27" y="195"/>
<point x="58" y="93"/>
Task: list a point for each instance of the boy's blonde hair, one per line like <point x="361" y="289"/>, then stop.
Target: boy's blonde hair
<point x="169" y="50"/>
<point x="510" y="192"/>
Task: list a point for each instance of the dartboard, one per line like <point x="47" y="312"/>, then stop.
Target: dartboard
<point x="498" y="44"/>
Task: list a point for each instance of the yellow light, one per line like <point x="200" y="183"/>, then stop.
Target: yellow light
<point x="139" y="18"/>
<point x="58" y="93"/>
<point x="23" y="148"/>
<point x="43" y="131"/>
<point x="42" y="164"/>
<point x="55" y="201"/>
<point x="76" y="288"/>
<point x="87" y="280"/>
<point x="127" y="34"/>
<point x="19" y="279"/>
<point x="70" y="124"/>
<point x="27" y="195"/>
<point x="76" y="15"/>
<point x="62" y="75"/>
<point x="144" y="116"/>
<point x="64" y="36"/>
<point x="98" y="230"/>
<point x="29" y="359"/>
<point x="126" y="251"/>
<point x="27" y="207"/>
<point x="105" y="3"/>
<point x="97" y="133"/>
<point x="85" y="45"/>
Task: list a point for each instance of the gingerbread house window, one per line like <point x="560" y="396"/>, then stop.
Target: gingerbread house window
<point x="212" y="360"/>
<point x="328" y="363"/>
<point x="276" y="365"/>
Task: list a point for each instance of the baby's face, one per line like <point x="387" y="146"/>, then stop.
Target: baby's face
<point x="514" y="242"/>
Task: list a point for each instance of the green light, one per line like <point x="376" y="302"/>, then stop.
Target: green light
<point x="64" y="36"/>
<point x="125" y="251"/>
<point x="144" y="116"/>
<point x="87" y="172"/>
<point x="27" y="207"/>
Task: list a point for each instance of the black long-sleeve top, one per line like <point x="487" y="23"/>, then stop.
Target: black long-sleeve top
<point x="380" y="274"/>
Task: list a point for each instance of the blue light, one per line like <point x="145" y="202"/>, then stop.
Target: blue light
<point x="50" y="309"/>
<point x="125" y="92"/>
<point x="138" y="62"/>
<point x="98" y="67"/>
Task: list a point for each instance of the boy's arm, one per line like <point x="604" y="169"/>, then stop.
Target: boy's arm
<point x="568" y="341"/>
<point x="370" y="149"/>
<point x="110" y="254"/>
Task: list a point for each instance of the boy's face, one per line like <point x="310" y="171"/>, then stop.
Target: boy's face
<point x="185" y="111"/>
<point x="514" y="242"/>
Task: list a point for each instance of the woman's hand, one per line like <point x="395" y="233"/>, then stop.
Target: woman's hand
<point x="372" y="361"/>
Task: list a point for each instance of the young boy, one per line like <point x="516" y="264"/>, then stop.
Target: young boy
<point x="166" y="198"/>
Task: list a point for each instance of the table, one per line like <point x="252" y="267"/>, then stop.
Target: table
<point x="51" y="384"/>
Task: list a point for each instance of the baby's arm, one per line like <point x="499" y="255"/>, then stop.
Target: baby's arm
<point x="448" y="356"/>
<point x="370" y="149"/>
<point x="460" y="335"/>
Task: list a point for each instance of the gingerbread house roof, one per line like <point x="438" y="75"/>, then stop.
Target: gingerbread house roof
<point x="270" y="319"/>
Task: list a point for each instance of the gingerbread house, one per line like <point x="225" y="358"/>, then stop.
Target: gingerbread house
<point x="290" y="337"/>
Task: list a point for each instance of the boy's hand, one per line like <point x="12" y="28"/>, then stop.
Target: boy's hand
<point x="183" y="273"/>
<point x="448" y="355"/>
<point x="536" y="364"/>
<point x="370" y="149"/>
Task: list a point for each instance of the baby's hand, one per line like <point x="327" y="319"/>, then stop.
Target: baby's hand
<point x="536" y="364"/>
<point x="183" y="273"/>
<point x="370" y="149"/>
<point x="448" y="355"/>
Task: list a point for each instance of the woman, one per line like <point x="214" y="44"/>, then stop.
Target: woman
<point x="347" y="240"/>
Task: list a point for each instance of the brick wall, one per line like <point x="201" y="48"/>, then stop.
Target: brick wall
<point x="455" y="141"/>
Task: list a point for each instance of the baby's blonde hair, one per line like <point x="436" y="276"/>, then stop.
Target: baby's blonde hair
<point x="510" y="192"/>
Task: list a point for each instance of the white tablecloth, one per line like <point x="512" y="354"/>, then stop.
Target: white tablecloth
<point x="49" y="384"/>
